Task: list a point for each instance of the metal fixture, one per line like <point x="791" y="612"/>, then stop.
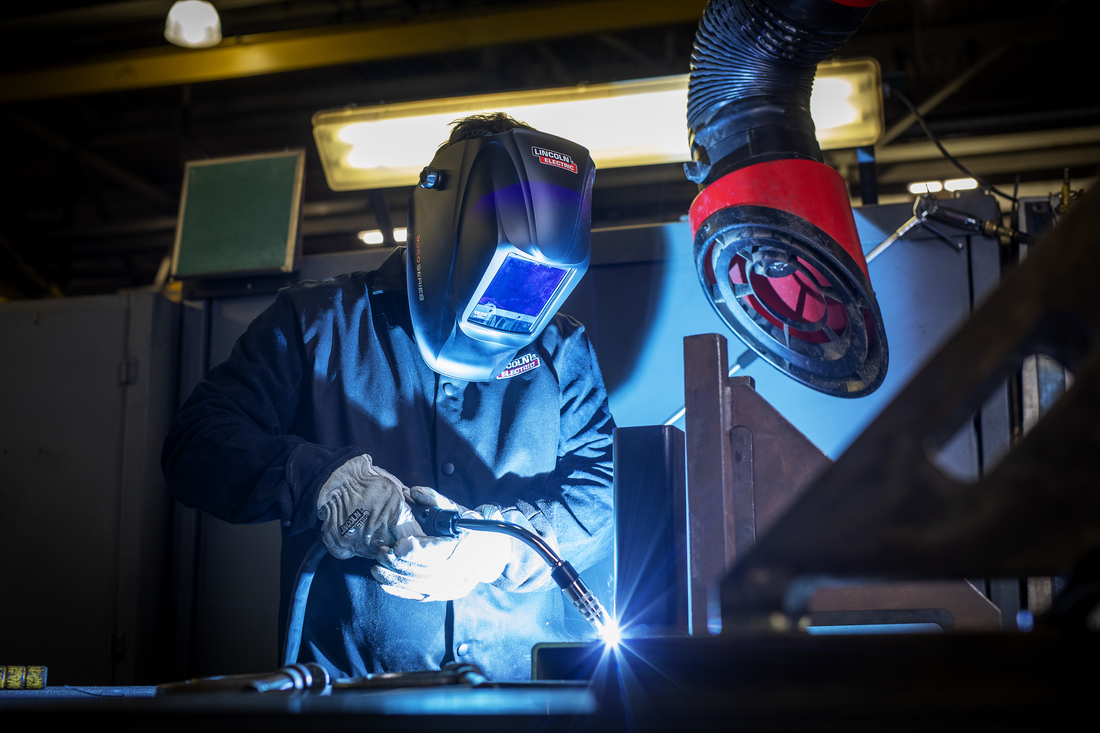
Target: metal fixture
<point x="927" y="208"/>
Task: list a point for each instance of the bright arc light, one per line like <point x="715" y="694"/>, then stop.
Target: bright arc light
<point x="960" y="184"/>
<point x="926" y="187"/>
<point x="193" y="24"/>
<point x="400" y="234"/>
<point x="611" y="634"/>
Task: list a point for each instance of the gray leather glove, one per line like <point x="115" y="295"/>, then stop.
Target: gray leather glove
<point x="442" y="568"/>
<point x="362" y="508"/>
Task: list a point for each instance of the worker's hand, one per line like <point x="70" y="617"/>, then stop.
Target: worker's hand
<point x="442" y="568"/>
<point x="362" y="508"/>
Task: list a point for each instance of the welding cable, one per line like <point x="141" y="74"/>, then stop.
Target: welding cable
<point x="296" y="614"/>
<point x="936" y="141"/>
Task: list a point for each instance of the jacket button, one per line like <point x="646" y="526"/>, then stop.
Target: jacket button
<point x="448" y="469"/>
<point x="449" y="389"/>
<point x="463" y="649"/>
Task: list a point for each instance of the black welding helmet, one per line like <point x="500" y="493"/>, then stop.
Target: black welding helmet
<point x="499" y="235"/>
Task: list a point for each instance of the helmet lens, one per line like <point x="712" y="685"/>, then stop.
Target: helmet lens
<point x="517" y="295"/>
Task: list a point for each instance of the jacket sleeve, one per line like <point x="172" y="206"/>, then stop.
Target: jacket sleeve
<point x="575" y="513"/>
<point x="228" y="452"/>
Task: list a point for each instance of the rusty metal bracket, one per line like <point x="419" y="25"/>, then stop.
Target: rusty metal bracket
<point x="746" y="465"/>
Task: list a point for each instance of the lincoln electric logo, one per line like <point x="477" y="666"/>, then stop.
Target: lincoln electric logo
<point x="357" y="519"/>
<point x="525" y="363"/>
<point x="558" y="160"/>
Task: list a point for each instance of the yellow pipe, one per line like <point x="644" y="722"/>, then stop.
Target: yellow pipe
<point x="272" y="53"/>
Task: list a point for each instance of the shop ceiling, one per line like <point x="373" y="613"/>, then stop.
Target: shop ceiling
<point x="98" y="113"/>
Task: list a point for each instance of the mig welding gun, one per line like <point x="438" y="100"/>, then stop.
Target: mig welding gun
<point x="438" y="522"/>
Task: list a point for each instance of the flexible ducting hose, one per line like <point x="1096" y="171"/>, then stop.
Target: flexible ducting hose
<point x="776" y="247"/>
<point x="752" y="72"/>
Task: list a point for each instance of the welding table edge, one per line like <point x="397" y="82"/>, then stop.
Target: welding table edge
<point x="1005" y="679"/>
<point x="744" y="682"/>
<point x="508" y="701"/>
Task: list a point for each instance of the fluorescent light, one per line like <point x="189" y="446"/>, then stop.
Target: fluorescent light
<point x="622" y="124"/>
<point x="831" y="103"/>
<point x="374" y="236"/>
<point x="193" y="24"/>
<point x="846" y="104"/>
<point x="926" y="187"/>
<point x="960" y="184"/>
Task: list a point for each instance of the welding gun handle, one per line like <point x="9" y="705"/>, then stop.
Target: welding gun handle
<point x="436" y="521"/>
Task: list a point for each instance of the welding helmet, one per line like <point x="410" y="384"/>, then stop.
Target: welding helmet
<point x="498" y="236"/>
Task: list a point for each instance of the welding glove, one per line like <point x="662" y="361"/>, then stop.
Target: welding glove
<point x="362" y="508"/>
<point x="443" y="568"/>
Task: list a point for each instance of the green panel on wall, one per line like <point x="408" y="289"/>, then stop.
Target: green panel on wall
<point x="239" y="215"/>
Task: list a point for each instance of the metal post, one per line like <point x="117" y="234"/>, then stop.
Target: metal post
<point x="710" y="474"/>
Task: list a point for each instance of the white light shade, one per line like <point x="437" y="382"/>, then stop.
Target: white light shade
<point x="622" y="124"/>
<point x="960" y="184"/>
<point x="926" y="187"/>
<point x="193" y="24"/>
<point x="846" y="104"/>
<point x="374" y="236"/>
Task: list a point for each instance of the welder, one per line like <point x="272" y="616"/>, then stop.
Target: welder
<point x="444" y="378"/>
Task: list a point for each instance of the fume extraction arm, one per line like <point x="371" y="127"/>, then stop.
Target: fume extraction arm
<point x="775" y="240"/>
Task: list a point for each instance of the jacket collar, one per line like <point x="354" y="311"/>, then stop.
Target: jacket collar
<point x="390" y="276"/>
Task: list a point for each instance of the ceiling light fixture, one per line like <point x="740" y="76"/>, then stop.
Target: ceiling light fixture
<point x="926" y="187"/>
<point x="193" y="24"/>
<point x="622" y="123"/>
<point x="960" y="184"/>
<point x="374" y="236"/>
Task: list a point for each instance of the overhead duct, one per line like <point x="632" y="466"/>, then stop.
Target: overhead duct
<point x="776" y="247"/>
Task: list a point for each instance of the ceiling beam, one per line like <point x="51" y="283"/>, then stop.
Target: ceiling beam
<point x="271" y="53"/>
<point x="987" y="144"/>
<point x="990" y="165"/>
<point x="1023" y="30"/>
<point x="90" y="159"/>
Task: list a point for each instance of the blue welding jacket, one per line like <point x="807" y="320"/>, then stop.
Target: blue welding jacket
<point x="331" y="371"/>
